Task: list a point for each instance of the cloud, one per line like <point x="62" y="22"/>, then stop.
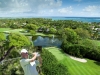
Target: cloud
<point x="51" y="10"/>
<point x="66" y="10"/>
<point x="91" y="11"/>
<point x="25" y="6"/>
<point x="13" y="6"/>
<point x="90" y="8"/>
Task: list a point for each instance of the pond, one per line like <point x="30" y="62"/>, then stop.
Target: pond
<point x="47" y="41"/>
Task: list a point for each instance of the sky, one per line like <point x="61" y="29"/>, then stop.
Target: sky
<point x="68" y="8"/>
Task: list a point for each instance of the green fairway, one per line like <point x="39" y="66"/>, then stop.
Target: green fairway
<point x="75" y="67"/>
<point x="4" y="29"/>
<point x="15" y="30"/>
<point x="8" y="30"/>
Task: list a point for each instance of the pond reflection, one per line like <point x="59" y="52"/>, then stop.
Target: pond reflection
<point x="47" y="41"/>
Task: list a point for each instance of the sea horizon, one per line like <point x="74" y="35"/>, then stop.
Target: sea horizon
<point x="74" y="18"/>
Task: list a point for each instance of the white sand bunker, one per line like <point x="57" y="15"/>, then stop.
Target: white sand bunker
<point x="78" y="59"/>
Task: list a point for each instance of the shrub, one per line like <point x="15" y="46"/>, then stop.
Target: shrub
<point x="82" y="51"/>
<point x="51" y="66"/>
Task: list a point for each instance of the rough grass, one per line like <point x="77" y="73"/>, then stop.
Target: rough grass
<point x="91" y="67"/>
<point x="96" y="42"/>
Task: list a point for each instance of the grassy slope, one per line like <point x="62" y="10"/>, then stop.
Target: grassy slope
<point x="75" y="67"/>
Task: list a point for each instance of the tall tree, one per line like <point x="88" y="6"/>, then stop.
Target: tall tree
<point x="53" y="30"/>
<point x="82" y="33"/>
<point x="96" y="34"/>
<point x="70" y="35"/>
<point x="31" y="28"/>
<point x="12" y="40"/>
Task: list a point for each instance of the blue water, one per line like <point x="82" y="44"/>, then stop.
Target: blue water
<point x="47" y="41"/>
<point x="82" y="19"/>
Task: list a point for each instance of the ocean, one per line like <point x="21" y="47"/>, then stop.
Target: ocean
<point x="82" y="19"/>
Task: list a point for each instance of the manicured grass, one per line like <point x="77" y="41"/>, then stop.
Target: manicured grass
<point x="4" y="29"/>
<point x="42" y="34"/>
<point x="75" y="67"/>
<point x="15" y="30"/>
<point x="8" y="30"/>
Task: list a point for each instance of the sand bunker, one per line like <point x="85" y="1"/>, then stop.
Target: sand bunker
<point x="78" y="59"/>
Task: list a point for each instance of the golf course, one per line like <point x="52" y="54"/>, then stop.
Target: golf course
<point x="90" y="67"/>
<point x="75" y="67"/>
<point x="66" y="47"/>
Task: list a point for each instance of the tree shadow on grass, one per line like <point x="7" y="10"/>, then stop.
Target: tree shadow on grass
<point x="97" y="63"/>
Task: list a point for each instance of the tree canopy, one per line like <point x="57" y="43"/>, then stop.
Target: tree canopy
<point x="70" y="35"/>
<point x="13" y="40"/>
